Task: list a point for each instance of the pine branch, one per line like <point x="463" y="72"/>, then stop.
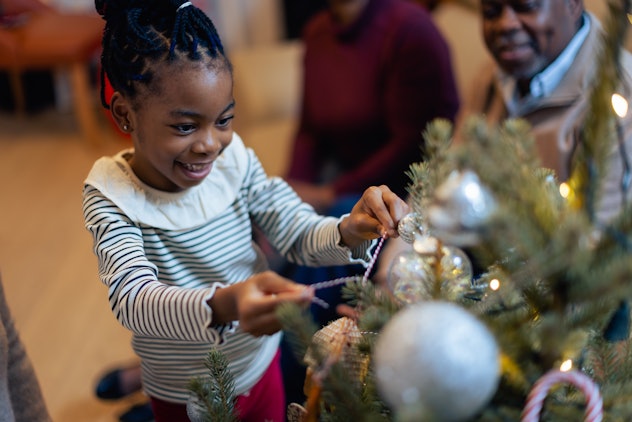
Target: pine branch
<point x="215" y="394"/>
<point x="426" y="175"/>
<point x="298" y="327"/>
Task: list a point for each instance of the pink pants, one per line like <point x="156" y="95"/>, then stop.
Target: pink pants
<point x="264" y="402"/>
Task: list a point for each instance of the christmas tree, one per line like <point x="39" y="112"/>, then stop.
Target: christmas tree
<point x="542" y="313"/>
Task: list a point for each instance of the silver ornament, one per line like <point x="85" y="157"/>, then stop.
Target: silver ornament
<point x="437" y="358"/>
<point x="461" y="208"/>
<point x="412" y="275"/>
<point x="410" y="226"/>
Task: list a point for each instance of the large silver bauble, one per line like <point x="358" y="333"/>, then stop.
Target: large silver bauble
<point x="436" y="358"/>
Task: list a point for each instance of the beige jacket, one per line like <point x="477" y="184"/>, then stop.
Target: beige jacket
<point x="556" y="119"/>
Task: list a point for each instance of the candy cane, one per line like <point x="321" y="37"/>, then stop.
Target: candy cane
<point x="535" y="400"/>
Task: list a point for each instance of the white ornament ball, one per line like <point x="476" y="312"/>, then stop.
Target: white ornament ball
<point x="438" y="357"/>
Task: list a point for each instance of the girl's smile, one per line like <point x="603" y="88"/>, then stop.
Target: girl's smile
<point x="196" y="170"/>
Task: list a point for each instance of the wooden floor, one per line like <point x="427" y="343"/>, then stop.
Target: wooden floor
<point x="47" y="264"/>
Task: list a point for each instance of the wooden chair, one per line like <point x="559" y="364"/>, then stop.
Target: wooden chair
<point x="44" y="39"/>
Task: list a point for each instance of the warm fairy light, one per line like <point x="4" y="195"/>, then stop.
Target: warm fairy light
<point x="565" y="190"/>
<point x="494" y="284"/>
<point x="620" y="105"/>
<point x="629" y="17"/>
<point x="566" y="366"/>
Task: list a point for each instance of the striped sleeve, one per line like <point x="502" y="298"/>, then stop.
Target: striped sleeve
<point x="139" y="301"/>
<point x="293" y="227"/>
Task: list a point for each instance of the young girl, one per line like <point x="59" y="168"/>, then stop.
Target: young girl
<point x="172" y="218"/>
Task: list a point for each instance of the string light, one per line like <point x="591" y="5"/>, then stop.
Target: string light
<point x="565" y="190"/>
<point x="620" y="105"/>
<point x="566" y="366"/>
<point x="494" y="284"/>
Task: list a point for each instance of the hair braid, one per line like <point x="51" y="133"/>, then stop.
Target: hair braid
<point x="140" y="33"/>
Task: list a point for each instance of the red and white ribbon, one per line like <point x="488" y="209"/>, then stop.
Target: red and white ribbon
<point x="535" y="400"/>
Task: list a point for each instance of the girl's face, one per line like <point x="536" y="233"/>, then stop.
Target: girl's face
<point x="179" y="124"/>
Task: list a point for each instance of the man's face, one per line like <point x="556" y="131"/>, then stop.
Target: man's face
<point x="525" y="36"/>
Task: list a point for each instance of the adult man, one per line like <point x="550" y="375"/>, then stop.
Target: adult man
<point x="545" y="59"/>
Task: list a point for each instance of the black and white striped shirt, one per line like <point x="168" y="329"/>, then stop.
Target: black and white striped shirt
<point x="162" y="255"/>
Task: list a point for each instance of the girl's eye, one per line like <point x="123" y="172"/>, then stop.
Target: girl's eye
<point x="225" y="121"/>
<point x="184" y="129"/>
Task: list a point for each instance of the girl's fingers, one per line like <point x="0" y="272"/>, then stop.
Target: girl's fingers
<point x="258" y="304"/>
<point x="383" y="209"/>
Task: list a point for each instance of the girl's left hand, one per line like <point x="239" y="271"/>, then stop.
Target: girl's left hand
<point x="376" y="214"/>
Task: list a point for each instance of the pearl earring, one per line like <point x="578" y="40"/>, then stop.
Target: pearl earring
<point x="125" y="128"/>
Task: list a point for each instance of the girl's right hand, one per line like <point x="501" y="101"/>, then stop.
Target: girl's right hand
<point x="376" y="214"/>
<point x="253" y="302"/>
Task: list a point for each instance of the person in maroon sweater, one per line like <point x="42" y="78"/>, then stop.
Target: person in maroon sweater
<point x="376" y="72"/>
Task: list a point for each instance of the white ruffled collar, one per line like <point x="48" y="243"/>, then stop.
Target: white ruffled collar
<point x="114" y="178"/>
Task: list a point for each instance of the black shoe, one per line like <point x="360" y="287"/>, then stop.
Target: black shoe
<point x="109" y="386"/>
<point x="138" y="413"/>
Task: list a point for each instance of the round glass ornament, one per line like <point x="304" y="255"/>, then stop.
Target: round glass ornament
<point x="412" y="276"/>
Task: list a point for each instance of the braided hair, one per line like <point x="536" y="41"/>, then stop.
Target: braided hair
<point x="139" y="33"/>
